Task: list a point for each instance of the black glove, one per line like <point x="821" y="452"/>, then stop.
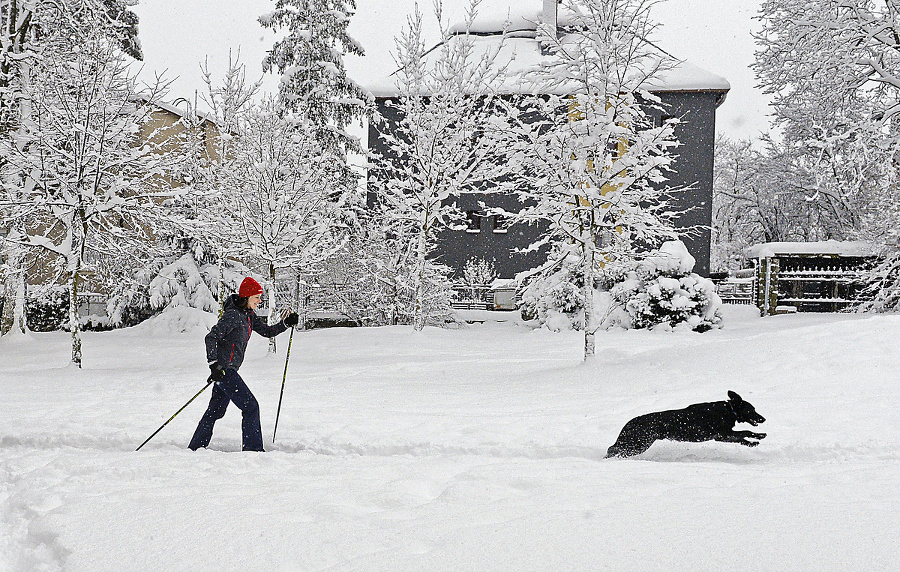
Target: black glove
<point x="216" y="373"/>
<point x="291" y="320"/>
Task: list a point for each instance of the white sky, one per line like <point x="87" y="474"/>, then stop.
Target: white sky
<point x="177" y="35"/>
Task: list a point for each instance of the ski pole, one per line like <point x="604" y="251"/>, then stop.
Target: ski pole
<point x="283" y="379"/>
<point x="208" y="383"/>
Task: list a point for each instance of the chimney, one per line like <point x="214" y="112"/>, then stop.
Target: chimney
<point x="549" y="14"/>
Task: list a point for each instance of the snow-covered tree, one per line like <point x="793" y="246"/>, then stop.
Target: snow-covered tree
<point x="74" y="171"/>
<point x="310" y="58"/>
<point x="594" y="162"/>
<point x="25" y="25"/>
<point x="373" y="270"/>
<point x="830" y="65"/>
<point x="832" y="68"/>
<point x="285" y="192"/>
<point x="439" y="141"/>
<point x="207" y="146"/>
<point x="766" y="192"/>
<point x="478" y="273"/>
<point x="838" y="104"/>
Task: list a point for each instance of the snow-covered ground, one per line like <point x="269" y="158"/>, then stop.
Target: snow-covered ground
<point x="473" y="449"/>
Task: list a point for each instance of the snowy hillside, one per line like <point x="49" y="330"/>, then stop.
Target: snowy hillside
<point x="472" y="449"/>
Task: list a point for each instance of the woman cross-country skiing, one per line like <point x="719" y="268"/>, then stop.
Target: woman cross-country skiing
<point x="225" y="346"/>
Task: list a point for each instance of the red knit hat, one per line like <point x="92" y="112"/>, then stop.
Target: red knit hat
<point x="249" y="287"/>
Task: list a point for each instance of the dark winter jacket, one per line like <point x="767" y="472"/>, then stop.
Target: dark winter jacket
<point x="227" y="340"/>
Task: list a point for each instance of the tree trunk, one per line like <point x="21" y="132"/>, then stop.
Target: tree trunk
<point x="273" y="305"/>
<point x="76" y="256"/>
<point x="300" y="305"/>
<point x="419" y="315"/>
<point x="588" y="291"/>
<point x="13" y="318"/>
<point x="221" y="284"/>
<point x="74" y="324"/>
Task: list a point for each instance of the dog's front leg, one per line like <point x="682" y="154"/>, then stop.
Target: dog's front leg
<point x="741" y="437"/>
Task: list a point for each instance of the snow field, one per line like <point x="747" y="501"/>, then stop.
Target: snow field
<point x="473" y="449"/>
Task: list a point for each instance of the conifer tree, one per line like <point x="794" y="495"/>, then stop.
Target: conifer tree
<point x="310" y="58"/>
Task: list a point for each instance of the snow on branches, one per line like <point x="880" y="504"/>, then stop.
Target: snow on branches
<point x="594" y="163"/>
<point x="314" y="82"/>
<point x="74" y="177"/>
<point x="439" y="140"/>
<point x="832" y="68"/>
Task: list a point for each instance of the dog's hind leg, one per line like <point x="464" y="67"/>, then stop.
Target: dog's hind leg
<point x="635" y="438"/>
<point x="628" y="449"/>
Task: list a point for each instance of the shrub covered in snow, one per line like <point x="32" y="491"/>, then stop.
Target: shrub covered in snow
<point x="47" y="309"/>
<point x="170" y="282"/>
<point x="658" y="291"/>
<point x="556" y="300"/>
<point x="181" y="283"/>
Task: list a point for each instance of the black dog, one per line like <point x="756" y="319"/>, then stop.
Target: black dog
<point x="695" y="423"/>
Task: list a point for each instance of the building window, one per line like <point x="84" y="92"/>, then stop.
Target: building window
<point x="661" y="120"/>
<point x="474" y="221"/>
<point x="499" y="224"/>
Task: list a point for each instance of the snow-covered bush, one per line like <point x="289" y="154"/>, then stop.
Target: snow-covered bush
<point x="170" y="282"/>
<point x="376" y="270"/>
<point x="129" y="306"/>
<point x="46" y="309"/>
<point x="556" y="300"/>
<point x="658" y="291"/>
<point x="662" y="290"/>
<point x="181" y="283"/>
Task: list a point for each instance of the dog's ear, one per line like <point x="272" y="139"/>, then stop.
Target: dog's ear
<point x="734" y="396"/>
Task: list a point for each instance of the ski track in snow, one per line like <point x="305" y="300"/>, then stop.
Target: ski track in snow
<point x="446" y="450"/>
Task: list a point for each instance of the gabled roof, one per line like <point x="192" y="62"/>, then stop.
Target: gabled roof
<point x="521" y="51"/>
<point x="173" y="109"/>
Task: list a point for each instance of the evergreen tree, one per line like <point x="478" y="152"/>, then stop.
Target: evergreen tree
<point x="310" y="58"/>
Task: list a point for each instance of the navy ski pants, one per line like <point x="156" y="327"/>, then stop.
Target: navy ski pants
<point x="231" y="388"/>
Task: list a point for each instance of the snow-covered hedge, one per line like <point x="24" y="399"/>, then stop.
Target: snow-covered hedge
<point x="659" y="291"/>
<point x="47" y="309"/>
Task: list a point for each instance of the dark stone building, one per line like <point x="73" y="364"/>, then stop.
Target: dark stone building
<point x="687" y="92"/>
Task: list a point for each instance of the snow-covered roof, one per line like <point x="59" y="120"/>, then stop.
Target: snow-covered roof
<point x="174" y="109"/>
<point x="827" y="247"/>
<point x="522" y="52"/>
